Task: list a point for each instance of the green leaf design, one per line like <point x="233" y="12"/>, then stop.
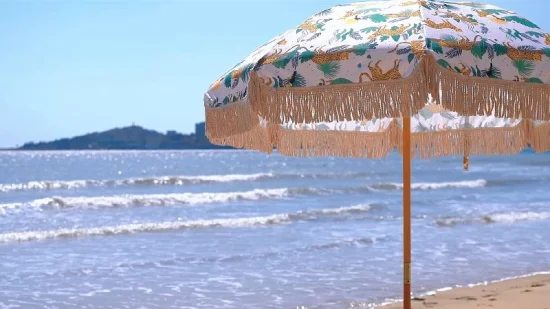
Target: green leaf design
<point x="369" y="29"/>
<point x="329" y="69"/>
<point x="278" y="82"/>
<point x="480" y="49"/>
<point x="475" y="5"/>
<point x="227" y="81"/>
<point x="496" y="11"/>
<point x="245" y="75"/>
<point x="361" y="49"/>
<point x="339" y="81"/>
<point x="410" y="57"/>
<point x="377" y="18"/>
<point x="384" y="38"/>
<point x="524" y="67"/>
<point x="363" y="11"/>
<point x="306" y="56"/>
<point x="283" y="61"/>
<point x="299" y="81"/>
<point x="521" y="20"/>
<point x="495" y="73"/>
<point x="546" y="52"/>
<point x="225" y="100"/>
<point x="451" y="7"/>
<point x="396" y="37"/>
<point x="443" y="63"/>
<point x="453" y="52"/>
<point x="449" y="38"/>
<point x="434" y="46"/>
<point x="324" y="12"/>
<point x="534" y="80"/>
<point x="500" y="49"/>
<point x="535" y="34"/>
<point x="235" y="99"/>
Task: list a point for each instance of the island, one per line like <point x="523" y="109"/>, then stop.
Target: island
<point x="129" y="138"/>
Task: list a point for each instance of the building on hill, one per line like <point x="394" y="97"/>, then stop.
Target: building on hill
<point x="200" y="131"/>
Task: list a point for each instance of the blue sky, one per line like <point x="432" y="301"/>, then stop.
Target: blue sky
<point x="75" y="66"/>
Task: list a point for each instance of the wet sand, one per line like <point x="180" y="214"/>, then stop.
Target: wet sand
<point x="521" y="293"/>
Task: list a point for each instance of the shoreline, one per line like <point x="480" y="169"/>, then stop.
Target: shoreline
<point x="530" y="291"/>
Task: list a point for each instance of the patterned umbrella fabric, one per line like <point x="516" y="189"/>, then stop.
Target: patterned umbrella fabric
<point x="474" y="78"/>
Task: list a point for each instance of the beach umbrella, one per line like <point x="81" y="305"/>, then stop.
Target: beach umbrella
<point x="428" y="78"/>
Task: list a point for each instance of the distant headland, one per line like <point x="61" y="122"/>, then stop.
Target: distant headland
<point x="129" y="138"/>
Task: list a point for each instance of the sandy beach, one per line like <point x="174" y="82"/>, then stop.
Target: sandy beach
<point x="526" y="293"/>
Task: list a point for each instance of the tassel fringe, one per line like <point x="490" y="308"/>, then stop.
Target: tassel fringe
<point x="467" y="95"/>
<point x="462" y="142"/>
<point x="239" y="125"/>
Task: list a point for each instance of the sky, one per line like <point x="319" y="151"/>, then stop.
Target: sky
<point x="70" y="67"/>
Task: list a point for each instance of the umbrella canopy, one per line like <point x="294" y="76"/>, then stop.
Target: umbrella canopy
<point x="358" y="68"/>
<point x="427" y="77"/>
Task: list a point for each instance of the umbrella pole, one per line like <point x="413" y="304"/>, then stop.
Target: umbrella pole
<point x="407" y="212"/>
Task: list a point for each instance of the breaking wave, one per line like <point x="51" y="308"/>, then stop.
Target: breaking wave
<point x="134" y="228"/>
<point x="511" y="217"/>
<point x="131" y="200"/>
<point x="137" y="200"/>
<point x="168" y="181"/>
<point x="434" y="185"/>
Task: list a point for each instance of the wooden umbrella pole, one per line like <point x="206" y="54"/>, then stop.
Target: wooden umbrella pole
<point x="407" y="212"/>
<point x="466" y="160"/>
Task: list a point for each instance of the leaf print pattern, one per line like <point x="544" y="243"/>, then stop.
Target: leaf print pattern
<point x="373" y="41"/>
<point x="329" y="69"/>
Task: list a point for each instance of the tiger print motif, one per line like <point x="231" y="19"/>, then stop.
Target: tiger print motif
<point x="321" y="57"/>
<point x="516" y="54"/>
<point x="383" y="31"/>
<point x="418" y="48"/>
<point x="444" y="25"/>
<point x="377" y="74"/>
<point x="464" y="43"/>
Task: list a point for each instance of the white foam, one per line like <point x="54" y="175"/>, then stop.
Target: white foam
<point x="174" y="180"/>
<point x="520" y="216"/>
<point x="444" y="185"/>
<point x="174" y="225"/>
<point x="142" y="227"/>
<point x="44" y="185"/>
<point x="344" y="210"/>
<point x="162" y="180"/>
<point x="153" y="199"/>
<point x="510" y="217"/>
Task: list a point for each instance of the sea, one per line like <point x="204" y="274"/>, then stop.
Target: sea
<point x="243" y="229"/>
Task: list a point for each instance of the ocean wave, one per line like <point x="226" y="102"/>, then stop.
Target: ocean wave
<point x="479" y="183"/>
<point x="510" y="217"/>
<point x="135" y="228"/>
<point x="139" y="200"/>
<point x="170" y="180"/>
<point x="146" y="181"/>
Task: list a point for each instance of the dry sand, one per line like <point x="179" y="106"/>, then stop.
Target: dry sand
<point x="522" y="293"/>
